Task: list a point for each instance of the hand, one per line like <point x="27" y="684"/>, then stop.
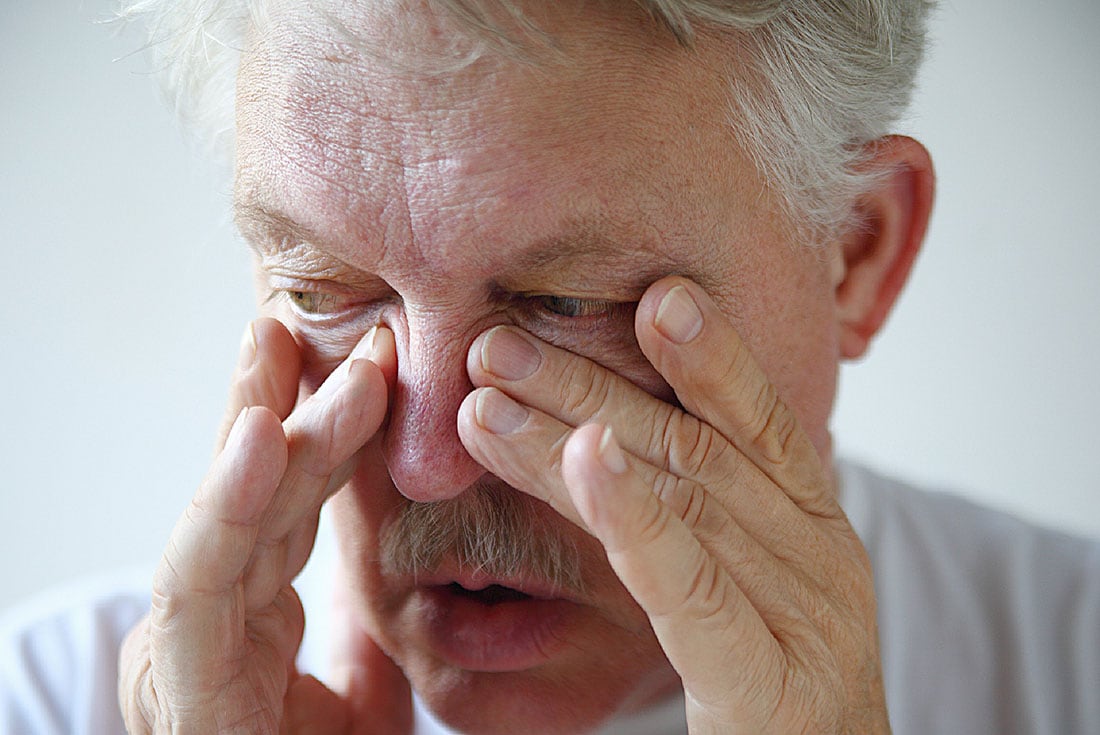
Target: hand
<point x="720" y="519"/>
<point x="216" y="653"/>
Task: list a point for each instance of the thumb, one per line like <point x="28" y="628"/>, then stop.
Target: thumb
<point x="311" y="708"/>
<point x="376" y="693"/>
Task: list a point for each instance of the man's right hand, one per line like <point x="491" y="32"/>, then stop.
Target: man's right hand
<point x="216" y="652"/>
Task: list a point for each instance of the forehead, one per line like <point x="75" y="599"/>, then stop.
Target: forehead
<point x="382" y="133"/>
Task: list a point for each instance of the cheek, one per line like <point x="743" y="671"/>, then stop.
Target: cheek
<point x="791" y="331"/>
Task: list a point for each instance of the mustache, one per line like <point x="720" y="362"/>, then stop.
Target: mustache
<point x="490" y="528"/>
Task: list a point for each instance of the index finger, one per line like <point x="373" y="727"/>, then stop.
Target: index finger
<point x="696" y="349"/>
<point x="266" y="375"/>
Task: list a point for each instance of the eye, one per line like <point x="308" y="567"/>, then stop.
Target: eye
<point x="312" y="303"/>
<point x="574" y="308"/>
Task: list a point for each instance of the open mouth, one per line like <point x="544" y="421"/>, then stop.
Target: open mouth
<point x="483" y="624"/>
<point x="494" y="594"/>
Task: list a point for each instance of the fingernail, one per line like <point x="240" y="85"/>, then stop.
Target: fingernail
<point x="365" y="348"/>
<point x="497" y="413"/>
<point x="235" y="429"/>
<point x="508" y="355"/>
<point x="678" y="317"/>
<point x="248" y="349"/>
<point x="611" y="456"/>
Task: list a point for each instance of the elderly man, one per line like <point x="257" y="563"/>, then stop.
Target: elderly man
<point x="554" y="296"/>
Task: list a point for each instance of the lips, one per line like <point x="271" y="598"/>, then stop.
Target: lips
<point x="475" y="582"/>
<point x="478" y="622"/>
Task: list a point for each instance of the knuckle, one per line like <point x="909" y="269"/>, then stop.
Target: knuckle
<point x="651" y="522"/>
<point x="289" y="605"/>
<point x="695" y="509"/>
<point x="689" y="446"/>
<point x="708" y="592"/>
<point x="583" y="389"/>
<point x="773" y="426"/>
<point x="685" y="499"/>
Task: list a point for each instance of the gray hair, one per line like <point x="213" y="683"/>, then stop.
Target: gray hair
<point x="816" y="82"/>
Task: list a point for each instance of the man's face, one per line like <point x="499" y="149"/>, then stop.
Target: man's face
<point x="379" y="186"/>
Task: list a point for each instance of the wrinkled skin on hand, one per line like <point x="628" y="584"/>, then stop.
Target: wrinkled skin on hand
<point x="216" y="652"/>
<point x="720" y="517"/>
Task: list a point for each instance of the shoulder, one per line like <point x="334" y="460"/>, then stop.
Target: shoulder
<point x="934" y="528"/>
<point x="987" y="623"/>
<point x="59" y="655"/>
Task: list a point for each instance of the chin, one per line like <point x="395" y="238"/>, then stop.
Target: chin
<point x="489" y="659"/>
<point x="567" y="701"/>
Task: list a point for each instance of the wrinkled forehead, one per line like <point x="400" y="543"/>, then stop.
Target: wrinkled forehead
<point x="348" y="108"/>
<point x="569" y="50"/>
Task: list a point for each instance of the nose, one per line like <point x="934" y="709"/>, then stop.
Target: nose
<point x="423" y="452"/>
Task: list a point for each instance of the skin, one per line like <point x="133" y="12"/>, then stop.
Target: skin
<point x="675" y="431"/>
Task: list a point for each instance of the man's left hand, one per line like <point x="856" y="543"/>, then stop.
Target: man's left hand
<point x="720" y="518"/>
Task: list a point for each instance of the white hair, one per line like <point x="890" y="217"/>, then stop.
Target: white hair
<point x="816" y="81"/>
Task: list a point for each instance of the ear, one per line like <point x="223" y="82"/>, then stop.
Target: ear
<point x="877" y="257"/>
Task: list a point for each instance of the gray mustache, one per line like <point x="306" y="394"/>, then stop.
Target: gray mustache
<point x="489" y="528"/>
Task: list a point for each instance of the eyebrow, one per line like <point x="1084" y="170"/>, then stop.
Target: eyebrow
<point x="578" y="241"/>
<point x="253" y="216"/>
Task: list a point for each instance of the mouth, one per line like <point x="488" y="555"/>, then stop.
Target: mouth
<point x="494" y="594"/>
<point x="493" y="589"/>
<point x="480" y="623"/>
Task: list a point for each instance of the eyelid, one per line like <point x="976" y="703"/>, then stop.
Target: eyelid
<point x="590" y="309"/>
<point x="586" y="307"/>
<point x="287" y="282"/>
<point x="343" y="301"/>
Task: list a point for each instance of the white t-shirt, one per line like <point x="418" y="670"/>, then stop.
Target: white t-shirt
<point x="987" y="624"/>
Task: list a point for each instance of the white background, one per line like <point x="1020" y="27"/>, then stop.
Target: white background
<point x="124" y="292"/>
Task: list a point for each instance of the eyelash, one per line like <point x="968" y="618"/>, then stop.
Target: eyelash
<point x="296" y="298"/>
<point x="570" y="308"/>
<point x="584" y="326"/>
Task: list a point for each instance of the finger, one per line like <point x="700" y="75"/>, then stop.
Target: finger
<point x="311" y="708"/>
<point x="576" y="390"/>
<point x="325" y="431"/>
<point x="212" y="542"/>
<point x="523" y="447"/>
<point x="710" y="631"/>
<point x="496" y="431"/>
<point x="692" y="344"/>
<point x="197" y="613"/>
<point x="266" y="375"/>
<point x="135" y="689"/>
<point x="324" y="437"/>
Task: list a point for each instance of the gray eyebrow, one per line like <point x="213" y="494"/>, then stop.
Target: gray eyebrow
<point x="578" y="240"/>
<point x="253" y="216"/>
